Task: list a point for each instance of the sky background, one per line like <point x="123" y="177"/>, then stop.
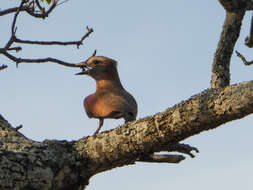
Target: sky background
<point x="164" y="50"/>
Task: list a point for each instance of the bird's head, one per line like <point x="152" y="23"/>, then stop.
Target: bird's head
<point x="99" y="67"/>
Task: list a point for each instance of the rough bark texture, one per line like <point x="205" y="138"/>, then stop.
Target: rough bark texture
<point x="59" y="165"/>
<point x="229" y="36"/>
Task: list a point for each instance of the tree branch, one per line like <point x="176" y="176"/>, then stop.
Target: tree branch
<point x="236" y="5"/>
<point x="202" y="112"/>
<point x="243" y="59"/>
<point x="14" y="39"/>
<point x="13" y="28"/>
<point x="54" y="164"/>
<point x="11" y="10"/>
<point x="2" y="67"/>
<point x="78" y="43"/>
<point x="228" y="38"/>
<point x="42" y="60"/>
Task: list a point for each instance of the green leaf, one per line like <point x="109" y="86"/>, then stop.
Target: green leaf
<point x="48" y="1"/>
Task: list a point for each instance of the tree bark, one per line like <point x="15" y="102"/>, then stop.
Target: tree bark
<point x="229" y="36"/>
<point x="60" y="165"/>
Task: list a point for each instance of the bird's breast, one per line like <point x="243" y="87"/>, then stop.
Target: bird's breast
<point x="97" y="107"/>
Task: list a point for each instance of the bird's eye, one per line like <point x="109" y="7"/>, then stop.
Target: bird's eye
<point x="96" y="62"/>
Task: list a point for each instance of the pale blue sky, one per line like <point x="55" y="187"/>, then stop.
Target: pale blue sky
<point x="164" y="51"/>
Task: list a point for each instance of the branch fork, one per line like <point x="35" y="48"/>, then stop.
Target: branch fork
<point x="29" y="7"/>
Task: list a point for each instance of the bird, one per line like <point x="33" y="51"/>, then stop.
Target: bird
<point x="110" y="99"/>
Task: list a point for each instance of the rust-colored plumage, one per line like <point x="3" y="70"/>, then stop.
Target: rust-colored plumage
<point x="110" y="100"/>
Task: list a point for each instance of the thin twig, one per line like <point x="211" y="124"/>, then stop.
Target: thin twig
<point x="11" y="10"/>
<point x="43" y="13"/>
<point x="94" y="53"/>
<point x="13" y="37"/>
<point x="2" y="67"/>
<point x="39" y="6"/>
<point x="62" y="2"/>
<point x="13" y="29"/>
<point x="18" y="127"/>
<point x="15" y="48"/>
<point x="78" y="43"/>
<point x="243" y="59"/>
<point x="41" y="60"/>
<point x="90" y="30"/>
<point x="31" y="11"/>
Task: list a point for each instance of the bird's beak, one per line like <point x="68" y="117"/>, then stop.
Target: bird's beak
<point x="85" y="69"/>
<point x="84" y="72"/>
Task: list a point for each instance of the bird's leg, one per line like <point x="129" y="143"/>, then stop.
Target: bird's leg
<point x="129" y="117"/>
<point x="101" y="122"/>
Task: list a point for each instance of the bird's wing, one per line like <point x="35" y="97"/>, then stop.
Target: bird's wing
<point x="120" y="104"/>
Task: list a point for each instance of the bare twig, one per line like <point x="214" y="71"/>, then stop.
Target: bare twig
<point x="78" y="43"/>
<point x="14" y="39"/>
<point x="13" y="28"/>
<point x="90" y="30"/>
<point x="2" y="67"/>
<point x="42" y="60"/>
<point x="15" y="48"/>
<point x="18" y="127"/>
<point x="31" y="11"/>
<point x="11" y="10"/>
<point x="39" y="6"/>
<point x="94" y="53"/>
<point x="43" y="13"/>
<point x="243" y="59"/>
<point x="62" y="2"/>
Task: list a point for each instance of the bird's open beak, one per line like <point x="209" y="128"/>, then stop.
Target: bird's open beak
<point x="85" y="69"/>
<point x="84" y="72"/>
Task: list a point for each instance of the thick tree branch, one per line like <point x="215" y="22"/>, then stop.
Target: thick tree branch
<point x="229" y="36"/>
<point x="234" y="5"/>
<point x="204" y="111"/>
<point x="26" y="164"/>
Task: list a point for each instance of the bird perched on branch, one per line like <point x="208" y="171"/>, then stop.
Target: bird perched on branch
<point x="110" y="100"/>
